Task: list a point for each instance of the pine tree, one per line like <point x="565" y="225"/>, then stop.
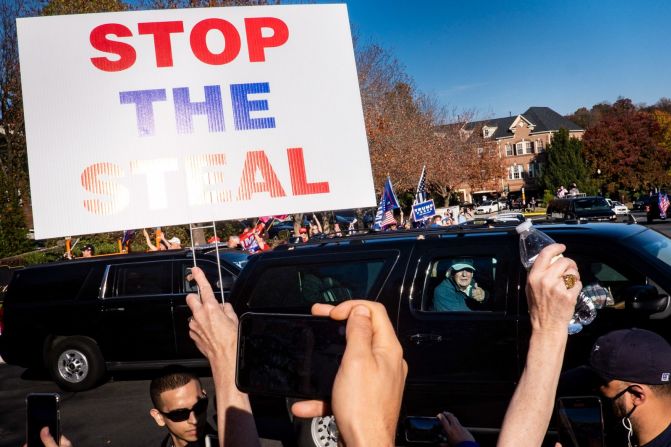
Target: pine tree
<point x="565" y="164"/>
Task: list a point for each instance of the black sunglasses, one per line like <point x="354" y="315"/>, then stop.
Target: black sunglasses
<point x="182" y="414"/>
<point x="620" y="394"/>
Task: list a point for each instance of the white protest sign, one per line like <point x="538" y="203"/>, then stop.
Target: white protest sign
<point x="148" y="118"/>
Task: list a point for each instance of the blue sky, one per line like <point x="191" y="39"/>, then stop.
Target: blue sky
<point x="501" y="57"/>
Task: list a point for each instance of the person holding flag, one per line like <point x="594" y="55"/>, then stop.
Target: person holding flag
<point x="385" y="211"/>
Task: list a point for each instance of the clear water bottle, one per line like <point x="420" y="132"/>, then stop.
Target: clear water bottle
<point x="591" y="298"/>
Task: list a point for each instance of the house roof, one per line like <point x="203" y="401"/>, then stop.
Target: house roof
<point x="544" y="119"/>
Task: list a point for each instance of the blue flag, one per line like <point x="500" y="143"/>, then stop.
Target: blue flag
<point x="385" y="211"/>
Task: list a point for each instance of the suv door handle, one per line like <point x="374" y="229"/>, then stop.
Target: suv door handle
<point x="114" y="309"/>
<point x="419" y="339"/>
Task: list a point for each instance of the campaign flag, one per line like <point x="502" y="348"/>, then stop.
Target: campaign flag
<point x="127" y="236"/>
<point x="420" y="196"/>
<point x="423" y="210"/>
<point x="385" y="211"/>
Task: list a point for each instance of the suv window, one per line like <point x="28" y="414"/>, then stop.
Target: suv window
<point x="146" y="278"/>
<point x="462" y="284"/>
<point x="304" y="284"/>
<point x="49" y="284"/>
<point x="210" y="270"/>
<point x="615" y="278"/>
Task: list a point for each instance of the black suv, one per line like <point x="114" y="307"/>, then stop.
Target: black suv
<point x="581" y="207"/>
<point x="468" y="362"/>
<point x="84" y="317"/>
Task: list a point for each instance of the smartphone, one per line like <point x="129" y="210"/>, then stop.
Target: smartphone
<point x="42" y="410"/>
<point x="424" y="430"/>
<point x="580" y="421"/>
<point x="289" y="355"/>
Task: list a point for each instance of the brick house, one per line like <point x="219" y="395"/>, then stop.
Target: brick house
<point x="521" y="141"/>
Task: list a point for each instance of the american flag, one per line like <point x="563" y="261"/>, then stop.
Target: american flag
<point x="663" y="205"/>
<point x="388" y="203"/>
<point x="388" y="219"/>
<point x="420" y="196"/>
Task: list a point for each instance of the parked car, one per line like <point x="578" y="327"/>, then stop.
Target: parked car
<point x="468" y="362"/>
<point x="584" y="208"/>
<point x="619" y="208"/>
<point x="82" y="318"/>
<point x="486" y="207"/>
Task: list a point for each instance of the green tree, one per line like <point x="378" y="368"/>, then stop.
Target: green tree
<point x="565" y="164"/>
<point x="13" y="231"/>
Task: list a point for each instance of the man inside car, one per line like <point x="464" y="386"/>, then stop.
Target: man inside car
<point x="458" y="292"/>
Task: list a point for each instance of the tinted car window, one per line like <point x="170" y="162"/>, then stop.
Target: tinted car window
<point x="305" y="284"/>
<point x="147" y="278"/>
<point x="591" y="203"/>
<point x="210" y="270"/>
<point x="49" y="284"/>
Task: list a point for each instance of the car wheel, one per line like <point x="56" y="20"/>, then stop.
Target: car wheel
<point x="75" y="363"/>
<point x="318" y="432"/>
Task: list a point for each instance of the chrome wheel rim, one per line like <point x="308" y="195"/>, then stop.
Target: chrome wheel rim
<point x="73" y="366"/>
<point x="324" y="431"/>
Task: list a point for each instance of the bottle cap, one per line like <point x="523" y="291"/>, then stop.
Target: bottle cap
<point x="524" y="226"/>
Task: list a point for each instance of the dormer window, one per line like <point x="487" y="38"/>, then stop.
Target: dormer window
<point x="485" y="132"/>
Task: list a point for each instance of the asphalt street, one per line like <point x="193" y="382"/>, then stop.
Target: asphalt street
<point x="114" y="414"/>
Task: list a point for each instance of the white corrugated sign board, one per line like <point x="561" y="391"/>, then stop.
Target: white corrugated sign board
<point x="148" y="118"/>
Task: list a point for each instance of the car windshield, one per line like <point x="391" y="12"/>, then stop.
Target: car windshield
<point x="653" y="245"/>
<point x="591" y="203"/>
<point x="486" y="203"/>
<point x="235" y="257"/>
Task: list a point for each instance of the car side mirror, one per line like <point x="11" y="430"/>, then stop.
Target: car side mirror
<point x="645" y="299"/>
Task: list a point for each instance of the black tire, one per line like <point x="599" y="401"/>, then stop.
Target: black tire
<point x="75" y="363"/>
<point x="316" y="432"/>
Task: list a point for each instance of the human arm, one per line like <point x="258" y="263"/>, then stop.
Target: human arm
<point x="551" y="307"/>
<point x="214" y="329"/>
<point x="368" y="388"/>
<point x="319" y="225"/>
<point x="151" y="246"/>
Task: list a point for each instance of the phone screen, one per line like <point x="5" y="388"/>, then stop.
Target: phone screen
<point x="42" y="410"/>
<point x="580" y="422"/>
<point x="289" y="355"/>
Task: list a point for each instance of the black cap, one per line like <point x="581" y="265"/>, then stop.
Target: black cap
<point x="632" y="355"/>
<point x="89" y="247"/>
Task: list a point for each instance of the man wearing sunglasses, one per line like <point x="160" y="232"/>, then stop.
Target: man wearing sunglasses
<point x="180" y="405"/>
<point x="634" y="366"/>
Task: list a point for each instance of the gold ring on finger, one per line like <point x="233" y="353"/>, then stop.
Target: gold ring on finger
<point x="569" y="280"/>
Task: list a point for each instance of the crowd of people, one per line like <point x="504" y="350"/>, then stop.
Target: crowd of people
<point x="633" y="366"/>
